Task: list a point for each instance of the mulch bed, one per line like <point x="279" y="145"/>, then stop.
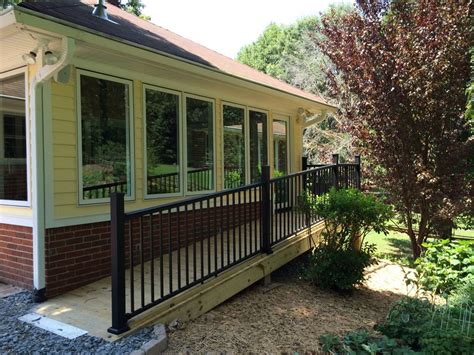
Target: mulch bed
<point x="291" y="317"/>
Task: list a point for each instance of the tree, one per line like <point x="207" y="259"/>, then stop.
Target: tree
<point x="268" y="52"/>
<point x="404" y="67"/>
<point x="290" y="53"/>
<point x="133" y="6"/>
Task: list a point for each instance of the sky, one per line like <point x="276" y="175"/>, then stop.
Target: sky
<point x="226" y="26"/>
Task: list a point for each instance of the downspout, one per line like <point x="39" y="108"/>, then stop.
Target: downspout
<point x="45" y="73"/>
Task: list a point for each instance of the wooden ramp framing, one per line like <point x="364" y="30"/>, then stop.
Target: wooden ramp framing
<point x="89" y="307"/>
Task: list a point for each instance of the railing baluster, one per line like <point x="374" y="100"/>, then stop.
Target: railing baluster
<point x="170" y="252"/>
<point x="152" y="260"/>
<point x="266" y="210"/>
<point x="161" y="256"/>
<point x="132" y="266"/>
<point x="186" y="242"/>
<point x="142" y="263"/>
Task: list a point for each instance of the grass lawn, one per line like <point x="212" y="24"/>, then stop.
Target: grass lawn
<point x="396" y="246"/>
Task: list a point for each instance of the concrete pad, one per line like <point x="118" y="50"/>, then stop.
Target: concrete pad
<point x="53" y="326"/>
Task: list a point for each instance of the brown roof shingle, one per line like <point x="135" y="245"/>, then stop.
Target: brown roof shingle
<point x="135" y="30"/>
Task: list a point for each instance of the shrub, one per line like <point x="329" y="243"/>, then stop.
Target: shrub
<point x="431" y="329"/>
<point x="406" y="321"/>
<point x="445" y="265"/>
<point x="348" y="214"/>
<point x="338" y="269"/>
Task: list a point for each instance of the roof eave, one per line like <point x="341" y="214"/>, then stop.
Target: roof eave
<point x="19" y="11"/>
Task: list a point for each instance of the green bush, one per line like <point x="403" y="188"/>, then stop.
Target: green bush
<point x="361" y="342"/>
<point x="430" y="329"/>
<point x="445" y="265"/>
<point x="406" y="321"/>
<point x="338" y="262"/>
<point x="338" y="269"/>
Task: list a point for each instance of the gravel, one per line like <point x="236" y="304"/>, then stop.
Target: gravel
<point x="17" y="337"/>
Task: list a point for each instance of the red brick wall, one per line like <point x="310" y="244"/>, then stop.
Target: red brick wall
<point x="78" y="255"/>
<point x="16" y="255"/>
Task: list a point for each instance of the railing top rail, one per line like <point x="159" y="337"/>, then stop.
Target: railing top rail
<point x="190" y="200"/>
<point x="299" y="173"/>
<point x="104" y="186"/>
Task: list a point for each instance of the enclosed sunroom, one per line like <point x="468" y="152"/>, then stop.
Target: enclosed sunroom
<point x="93" y="106"/>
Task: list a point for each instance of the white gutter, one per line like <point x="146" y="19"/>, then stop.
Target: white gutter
<point x="37" y="167"/>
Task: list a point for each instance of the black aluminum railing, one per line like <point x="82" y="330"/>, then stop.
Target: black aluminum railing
<point x="162" y="251"/>
<point x="198" y="180"/>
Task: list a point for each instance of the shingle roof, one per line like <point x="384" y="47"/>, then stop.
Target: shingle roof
<point x="135" y="30"/>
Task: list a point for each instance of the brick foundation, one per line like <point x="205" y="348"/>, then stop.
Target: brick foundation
<point x="81" y="254"/>
<point x="16" y="255"/>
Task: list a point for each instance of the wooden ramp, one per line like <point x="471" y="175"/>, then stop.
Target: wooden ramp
<point x="89" y="307"/>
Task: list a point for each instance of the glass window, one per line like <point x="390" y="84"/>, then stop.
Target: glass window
<point x="162" y="142"/>
<point x="280" y="147"/>
<point x="234" y="146"/>
<point x="200" y="144"/>
<point x="105" y="109"/>
<point x="258" y="143"/>
<point x="13" y="161"/>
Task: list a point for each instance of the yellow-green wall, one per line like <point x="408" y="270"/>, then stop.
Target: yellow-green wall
<point x="64" y="133"/>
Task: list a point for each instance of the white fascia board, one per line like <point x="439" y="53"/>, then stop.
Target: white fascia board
<point x="87" y="35"/>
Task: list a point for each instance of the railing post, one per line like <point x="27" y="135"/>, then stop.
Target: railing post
<point x="304" y="167"/>
<point x="266" y="210"/>
<point x="117" y="224"/>
<point x="304" y="163"/>
<point x="358" y="172"/>
<point x="335" y="161"/>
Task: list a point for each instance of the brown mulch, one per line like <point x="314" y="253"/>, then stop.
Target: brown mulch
<point x="291" y="317"/>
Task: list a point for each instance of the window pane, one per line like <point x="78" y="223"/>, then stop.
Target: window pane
<point x="200" y="144"/>
<point x="234" y="146"/>
<point x="13" y="167"/>
<point x="258" y="143"/>
<point x="280" y="148"/>
<point x="162" y="142"/>
<point x="105" y="146"/>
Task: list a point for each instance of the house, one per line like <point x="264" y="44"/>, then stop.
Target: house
<point x="91" y="105"/>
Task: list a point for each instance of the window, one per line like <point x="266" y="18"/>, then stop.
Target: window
<point x="162" y="142"/>
<point x="234" y="146"/>
<point x="200" y="144"/>
<point x="105" y="158"/>
<point x="13" y="148"/>
<point x="280" y="147"/>
<point x="258" y="143"/>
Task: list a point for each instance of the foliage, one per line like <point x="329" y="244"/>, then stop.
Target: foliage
<point x="267" y="53"/>
<point x="463" y="294"/>
<point x="290" y="53"/>
<point x="348" y="216"/>
<point x="135" y="7"/>
<point x="361" y="342"/>
<point x="406" y="320"/>
<point x="445" y="265"/>
<point x="429" y="328"/>
<point x="400" y="71"/>
<point x="338" y="269"/>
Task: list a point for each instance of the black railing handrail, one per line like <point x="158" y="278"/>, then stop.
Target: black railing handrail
<point x="104" y="186"/>
<point x="271" y="212"/>
<point x="187" y="201"/>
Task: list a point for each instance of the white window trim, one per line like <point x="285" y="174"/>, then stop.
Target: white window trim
<point x="131" y="131"/>
<point x="26" y="203"/>
<point x="246" y="139"/>
<point x="185" y="144"/>
<point x="148" y="196"/>
<point x="284" y="118"/>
